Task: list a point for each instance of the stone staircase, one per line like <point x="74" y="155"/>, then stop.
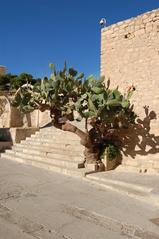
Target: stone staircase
<point x="51" y="149"/>
<point x="59" y="151"/>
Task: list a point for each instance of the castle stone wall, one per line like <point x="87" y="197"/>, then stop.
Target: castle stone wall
<point x="130" y="55"/>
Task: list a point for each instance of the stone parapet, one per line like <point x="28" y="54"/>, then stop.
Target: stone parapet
<point x="12" y="117"/>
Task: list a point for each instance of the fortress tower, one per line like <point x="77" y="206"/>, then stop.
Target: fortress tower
<point x="130" y="56"/>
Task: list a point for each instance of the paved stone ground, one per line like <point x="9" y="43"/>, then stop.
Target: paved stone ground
<point x="35" y="203"/>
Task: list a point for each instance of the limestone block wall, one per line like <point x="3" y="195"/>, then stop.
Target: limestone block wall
<point x="12" y="117"/>
<point x="130" y="55"/>
<point x="5" y="112"/>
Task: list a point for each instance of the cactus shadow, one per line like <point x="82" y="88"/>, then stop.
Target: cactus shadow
<point x="139" y="140"/>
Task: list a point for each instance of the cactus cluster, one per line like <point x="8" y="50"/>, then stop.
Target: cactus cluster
<point x="67" y="92"/>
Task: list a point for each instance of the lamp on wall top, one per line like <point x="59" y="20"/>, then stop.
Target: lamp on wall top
<point x="103" y="22"/>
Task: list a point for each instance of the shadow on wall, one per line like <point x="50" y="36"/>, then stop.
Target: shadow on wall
<point x="10" y="136"/>
<point x="6" y="141"/>
<point x="139" y="140"/>
<point x="19" y="119"/>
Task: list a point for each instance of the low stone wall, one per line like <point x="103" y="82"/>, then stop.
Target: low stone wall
<point x="12" y="117"/>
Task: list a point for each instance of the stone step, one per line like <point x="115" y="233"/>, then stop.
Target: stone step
<point x="51" y="149"/>
<point x="118" y="184"/>
<point x="54" y="159"/>
<point x="56" y="136"/>
<point x="58" y="154"/>
<point x="59" y="146"/>
<point x="31" y="154"/>
<point x="46" y="149"/>
<point x="55" y="133"/>
<point x="134" y="184"/>
<point x="58" y="140"/>
<point x="44" y="165"/>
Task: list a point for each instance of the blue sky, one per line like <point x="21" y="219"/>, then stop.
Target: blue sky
<point x="37" y="32"/>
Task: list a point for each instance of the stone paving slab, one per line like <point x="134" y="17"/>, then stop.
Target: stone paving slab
<point x="40" y="204"/>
